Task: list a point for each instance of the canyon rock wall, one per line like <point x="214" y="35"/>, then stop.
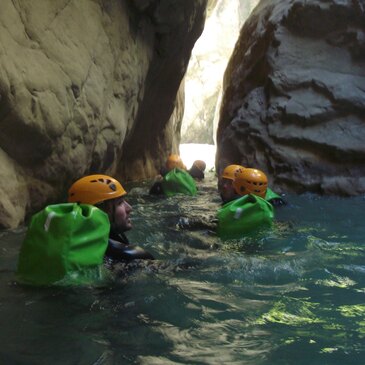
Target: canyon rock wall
<point x="85" y="87"/>
<point x="294" y="96"/>
<point x="203" y="81"/>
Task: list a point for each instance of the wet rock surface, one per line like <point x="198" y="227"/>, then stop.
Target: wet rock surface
<point x="294" y="96"/>
<point x="88" y="87"/>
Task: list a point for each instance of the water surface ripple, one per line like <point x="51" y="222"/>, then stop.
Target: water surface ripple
<point x="293" y="295"/>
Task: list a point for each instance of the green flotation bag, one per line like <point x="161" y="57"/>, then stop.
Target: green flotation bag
<point x="271" y="195"/>
<point x="63" y="241"/>
<point x="178" y="181"/>
<point x="243" y="216"/>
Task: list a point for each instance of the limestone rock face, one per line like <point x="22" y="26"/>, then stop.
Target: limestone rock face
<point x="203" y="81"/>
<point x="294" y="96"/>
<point x="85" y="87"/>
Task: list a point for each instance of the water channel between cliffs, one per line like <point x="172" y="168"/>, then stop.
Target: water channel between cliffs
<point x="293" y="295"/>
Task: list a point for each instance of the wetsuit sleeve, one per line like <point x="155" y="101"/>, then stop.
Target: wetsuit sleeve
<point x="274" y="199"/>
<point x="118" y="252"/>
<point x="277" y="202"/>
<point x="156" y="188"/>
<point x="164" y="171"/>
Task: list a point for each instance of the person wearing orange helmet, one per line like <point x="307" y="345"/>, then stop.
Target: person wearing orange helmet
<point x="250" y="181"/>
<point x="228" y="192"/>
<point x="251" y="211"/>
<point x="174" y="165"/>
<point x="225" y="183"/>
<point x="245" y="209"/>
<point x="108" y="194"/>
<point x="174" y="161"/>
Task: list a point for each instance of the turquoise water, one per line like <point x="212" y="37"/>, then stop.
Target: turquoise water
<point x="294" y="295"/>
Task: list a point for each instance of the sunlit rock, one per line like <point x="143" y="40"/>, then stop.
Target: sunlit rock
<point x="294" y="96"/>
<point x="203" y="81"/>
<point x="88" y="86"/>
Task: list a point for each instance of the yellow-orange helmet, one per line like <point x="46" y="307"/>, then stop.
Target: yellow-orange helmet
<point x="230" y="171"/>
<point x="95" y="189"/>
<point x="250" y="181"/>
<point x="174" y="161"/>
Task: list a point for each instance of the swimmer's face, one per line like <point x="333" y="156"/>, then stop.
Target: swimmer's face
<point x="226" y="189"/>
<point x="122" y="212"/>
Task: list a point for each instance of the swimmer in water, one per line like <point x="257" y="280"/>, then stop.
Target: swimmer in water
<point x="108" y="194"/>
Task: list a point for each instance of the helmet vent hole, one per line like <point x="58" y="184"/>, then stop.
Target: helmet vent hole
<point x="93" y="181"/>
<point x="113" y="187"/>
<point x="101" y="180"/>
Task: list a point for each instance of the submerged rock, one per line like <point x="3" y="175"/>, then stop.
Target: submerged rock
<point x="294" y="96"/>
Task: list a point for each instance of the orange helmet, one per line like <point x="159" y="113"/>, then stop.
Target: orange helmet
<point x="250" y="181"/>
<point x="95" y="189"/>
<point x="174" y="161"/>
<point x="230" y="171"/>
<point x="200" y="164"/>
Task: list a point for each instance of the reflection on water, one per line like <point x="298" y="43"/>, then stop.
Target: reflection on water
<point x="295" y="294"/>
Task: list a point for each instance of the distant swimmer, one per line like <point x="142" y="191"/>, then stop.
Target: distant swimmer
<point x="174" y="179"/>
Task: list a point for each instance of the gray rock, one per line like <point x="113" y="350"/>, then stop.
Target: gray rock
<point x="294" y="96"/>
<point x="86" y="87"/>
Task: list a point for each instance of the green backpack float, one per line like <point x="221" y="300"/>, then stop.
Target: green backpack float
<point x="271" y="195"/>
<point x="64" y="244"/>
<point x="244" y="216"/>
<point x="178" y="181"/>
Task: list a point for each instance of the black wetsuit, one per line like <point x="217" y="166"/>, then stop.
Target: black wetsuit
<point x="119" y="250"/>
<point x="277" y="202"/>
<point x="156" y="188"/>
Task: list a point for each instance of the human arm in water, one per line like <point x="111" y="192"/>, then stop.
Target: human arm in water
<point x="156" y="188"/>
<point x="119" y="250"/>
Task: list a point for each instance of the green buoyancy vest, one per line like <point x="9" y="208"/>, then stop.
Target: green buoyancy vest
<point x="178" y="181"/>
<point x="61" y="240"/>
<point x="244" y="215"/>
<point x="271" y="195"/>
